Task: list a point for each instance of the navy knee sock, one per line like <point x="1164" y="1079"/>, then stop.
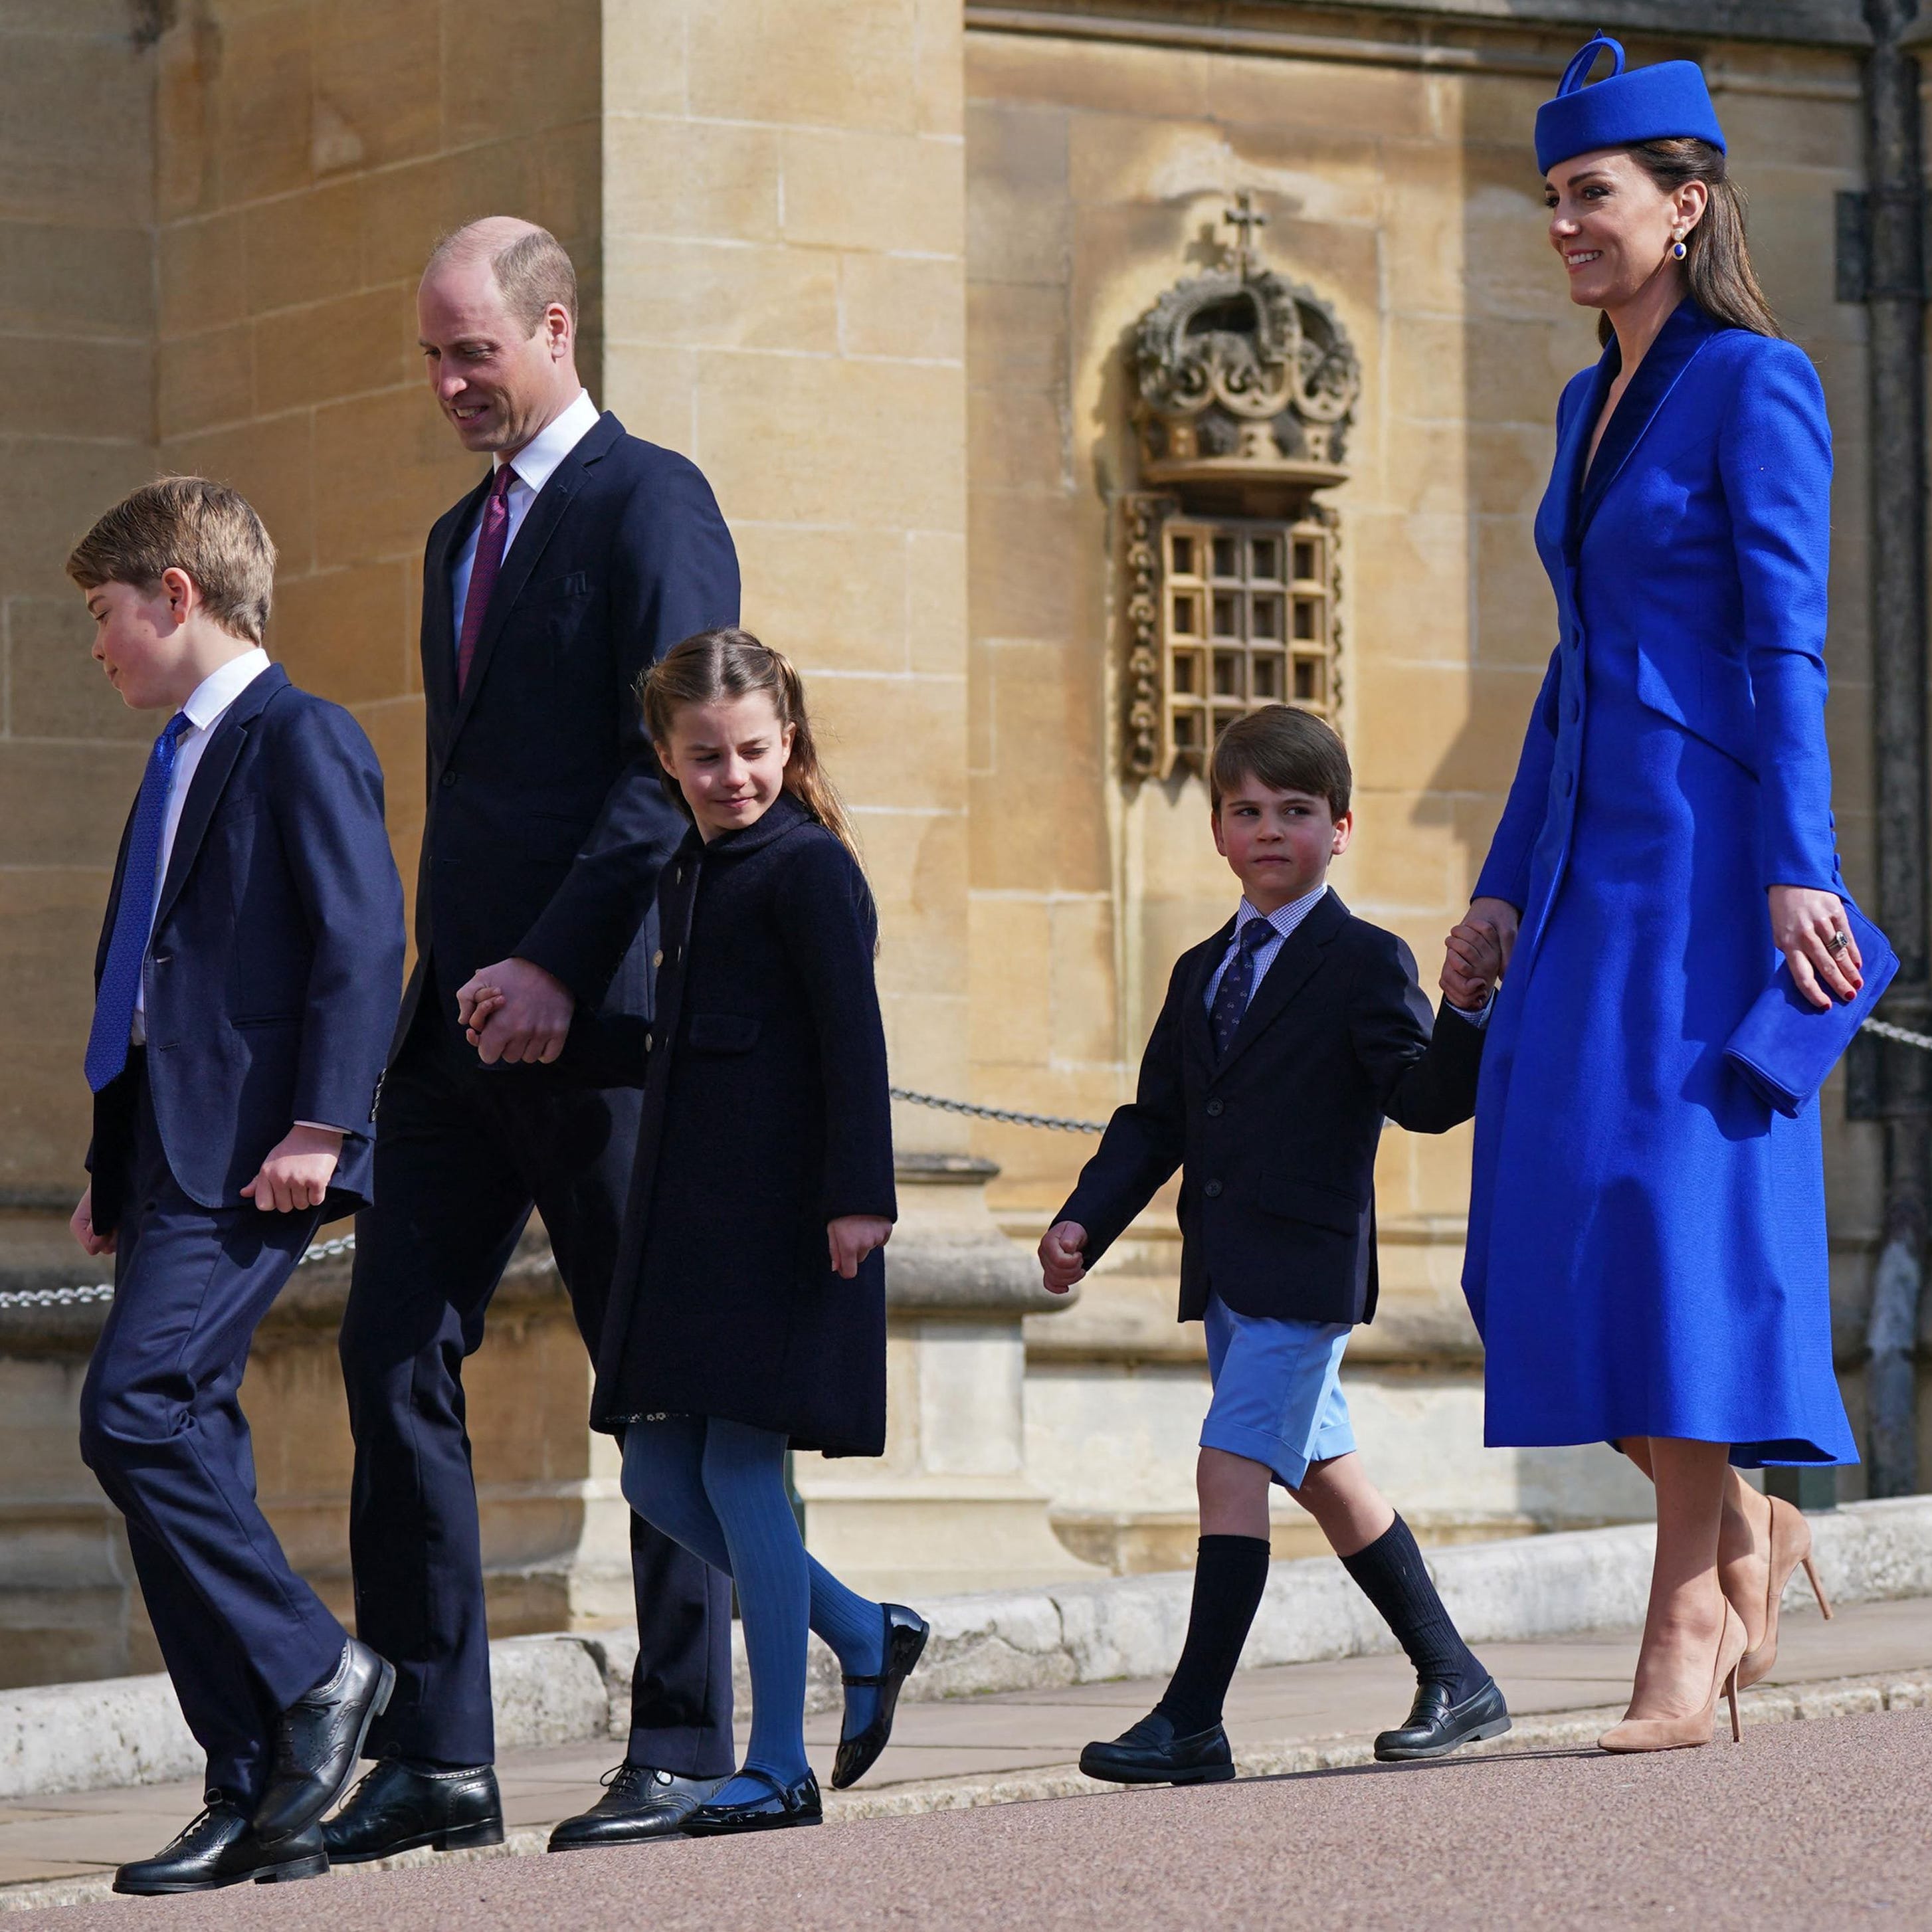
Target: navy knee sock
<point x="1230" y="1573"/>
<point x="664" y="1483"/>
<point x="1394" y="1578"/>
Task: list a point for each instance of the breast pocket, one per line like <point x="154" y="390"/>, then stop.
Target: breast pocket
<point x="722" y="1033"/>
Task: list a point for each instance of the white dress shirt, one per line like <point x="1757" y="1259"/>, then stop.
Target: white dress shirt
<point x="205" y="709"/>
<point x="534" y="464"/>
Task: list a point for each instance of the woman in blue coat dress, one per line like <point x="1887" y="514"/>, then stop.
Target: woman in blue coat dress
<point x="1647" y="1249"/>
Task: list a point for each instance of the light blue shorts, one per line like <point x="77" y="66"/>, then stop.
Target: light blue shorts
<point x="1278" y="1397"/>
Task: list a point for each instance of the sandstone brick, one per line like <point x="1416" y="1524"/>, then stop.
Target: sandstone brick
<point x="1085" y="1019"/>
<point x="399" y="213"/>
<point x="202" y="275"/>
<point x="55" y="277"/>
<point x="1018" y="221"/>
<point x="1390" y="103"/>
<point x="915" y="863"/>
<point x="205" y="379"/>
<point x="1016" y="334"/>
<point x="365" y="511"/>
<point x="939" y="74"/>
<point x="332" y="350"/>
<point x="834" y="599"/>
<point x="668" y="177"/>
<point x="1017" y="441"/>
<point x="345" y="634"/>
<point x="851" y="189"/>
<point x="304" y="247"/>
<point x="936" y="601"/>
<point x="1023" y="559"/>
<point x="64" y="804"/>
<point x="842" y="63"/>
<point x="654" y="391"/>
<point x="51" y="490"/>
<point x="1011" y="967"/>
<point x="60" y="385"/>
<point x="699" y="295"/>
<point x="510" y="68"/>
<point x="263" y="100"/>
<point x="375" y="101"/>
<point x="1098" y="76"/>
<point x="902" y="305"/>
<point x="895" y="742"/>
<point x="1517" y="626"/>
<point x="54" y="688"/>
<point x="272" y="463"/>
<point x="644" y="70"/>
<point x="61" y="93"/>
<point x="186" y="59"/>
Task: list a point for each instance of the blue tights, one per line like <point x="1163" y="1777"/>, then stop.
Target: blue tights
<point x="718" y="1488"/>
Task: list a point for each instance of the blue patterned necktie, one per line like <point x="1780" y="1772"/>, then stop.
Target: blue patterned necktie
<point x="1237" y="984"/>
<point x="120" y="977"/>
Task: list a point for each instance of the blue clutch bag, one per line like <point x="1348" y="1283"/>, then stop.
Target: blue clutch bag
<point x="1785" y="1046"/>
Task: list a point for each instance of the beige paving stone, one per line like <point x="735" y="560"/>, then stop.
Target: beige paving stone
<point x="913" y="197"/>
<point x="902" y="306"/>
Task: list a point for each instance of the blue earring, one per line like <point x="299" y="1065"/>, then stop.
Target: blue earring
<point x="1678" y="250"/>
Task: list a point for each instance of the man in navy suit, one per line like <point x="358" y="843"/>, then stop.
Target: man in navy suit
<point x="581" y="558"/>
<point x="244" y="986"/>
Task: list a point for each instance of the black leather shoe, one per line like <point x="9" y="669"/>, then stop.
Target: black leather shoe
<point x="1436" y="1726"/>
<point x="786" y="1805"/>
<point x="220" y="1848"/>
<point x="1150" y="1754"/>
<point x="400" y="1805"/>
<point x="906" y="1633"/>
<point x="639" y="1803"/>
<point x="318" y="1739"/>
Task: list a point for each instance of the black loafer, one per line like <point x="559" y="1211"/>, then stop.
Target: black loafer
<point x="639" y="1803"/>
<point x="1150" y="1753"/>
<point x="906" y="1633"/>
<point x="318" y="1739"/>
<point x="400" y="1806"/>
<point x="787" y="1805"/>
<point x="1436" y="1726"/>
<point x="219" y="1849"/>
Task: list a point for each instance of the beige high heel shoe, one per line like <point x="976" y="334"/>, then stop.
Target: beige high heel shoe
<point x="1790" y="1545"/>
<point x="1655" y="1734"/>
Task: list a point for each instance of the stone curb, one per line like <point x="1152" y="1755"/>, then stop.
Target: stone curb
<point x="1568" y="1730"/>
<point x="566" y="1688"/>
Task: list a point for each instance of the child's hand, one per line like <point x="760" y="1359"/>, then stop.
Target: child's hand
<point x="474" y="1006"/>
<point x="81" y="1221"/>
<point x="852" y="1237"/>
<point x="297" y="1172"/>
<point x="1062" y="1255"/>
<point x="1472" y="963"/>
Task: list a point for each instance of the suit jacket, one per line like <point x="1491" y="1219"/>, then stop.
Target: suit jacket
<point x="1707" y="510"/>
<point x="765" y="1115"/>
<point x="270" y="978"/>
<point x="546" y="823"/>
<point x="1276" y="1139"/>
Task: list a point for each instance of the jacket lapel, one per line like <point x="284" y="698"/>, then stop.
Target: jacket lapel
<point x="1195" y="1033"/>
<point x="533" y="535"/>
<point x="439" y="616"/>
<point x="1295" y="965"/>
<point x="1573" y="447"/>
<point x="1676" y="347"/>
<point x="210" y="778"/>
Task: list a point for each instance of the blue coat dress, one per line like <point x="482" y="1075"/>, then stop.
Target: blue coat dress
<point x="1647" y="1244"/>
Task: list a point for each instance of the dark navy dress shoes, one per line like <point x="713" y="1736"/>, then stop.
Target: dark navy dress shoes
<point x="400" y="1806"/>
<point x="1436" y="1726"/>
<point x="318" y="1739"/>
<point x="220" y="1848"/>
<point x="1150" y="1753"/>
<point x="639" y="1804"/>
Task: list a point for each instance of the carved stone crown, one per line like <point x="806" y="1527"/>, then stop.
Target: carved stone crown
<point x="1243" y="376"/>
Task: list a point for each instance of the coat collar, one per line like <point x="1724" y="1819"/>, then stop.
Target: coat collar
<point x="1295" y="965"/>
<point x="783" y="815"/>
<point x="210" y="778"/>
<point x="1676" y="347"/>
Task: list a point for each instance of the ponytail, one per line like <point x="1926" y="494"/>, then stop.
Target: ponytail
<point x="732" y="663"/>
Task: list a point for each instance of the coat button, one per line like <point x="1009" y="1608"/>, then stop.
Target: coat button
<point x="650" y="1041"/>
<point x="657" y="958"/>
<point x="1212" y="1190"/>
<point x="677" y="878"/>
<point x="1212" y="1110"/>
<point x="449" y="779"/>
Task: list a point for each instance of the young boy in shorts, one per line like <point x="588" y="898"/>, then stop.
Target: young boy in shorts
<point x="1284" y="1040"/>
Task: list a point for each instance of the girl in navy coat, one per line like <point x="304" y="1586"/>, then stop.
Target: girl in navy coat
<point x="1647" y="1245"/>
<point x="748" y="1310"/>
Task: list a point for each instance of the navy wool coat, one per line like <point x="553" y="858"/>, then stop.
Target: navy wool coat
<point x="765" y="1115"/>
<point x="1277" y="1138"/>
<point x="271" y="979"/>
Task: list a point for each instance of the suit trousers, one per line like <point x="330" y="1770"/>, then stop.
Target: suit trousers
<point x="463" y="1155"/>
<point x="242" y="1636"/>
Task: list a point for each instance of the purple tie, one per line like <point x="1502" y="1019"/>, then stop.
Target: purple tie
<point x="483" y="572"/>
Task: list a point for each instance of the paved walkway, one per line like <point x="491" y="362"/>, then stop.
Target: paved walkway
<point x="965" y="1752"/>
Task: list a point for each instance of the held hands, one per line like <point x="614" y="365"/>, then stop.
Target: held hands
<point x="81" y="1222"/>
<point x="1063" y="1259"/>
<point x="296" y="1173"/>
<point x="1477" y="953"/>
<point x="852" y="1237"/>
<point x="1804" y="922"/>
<point x="515" y="1012"/>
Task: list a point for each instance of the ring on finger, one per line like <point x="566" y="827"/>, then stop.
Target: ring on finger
<point x="1839" y="942"/>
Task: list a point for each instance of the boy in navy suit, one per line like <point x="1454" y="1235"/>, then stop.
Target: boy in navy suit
<point x="245" y="986"/>
<point x="1284" y="1041"/>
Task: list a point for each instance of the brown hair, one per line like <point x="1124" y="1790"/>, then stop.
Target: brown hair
<point x="186" y="524"/>
<point x="1717" y="263"/>
<point x="732" y="663"/>
<point x="533" y="270"/>
<point x="1287" y="749"/>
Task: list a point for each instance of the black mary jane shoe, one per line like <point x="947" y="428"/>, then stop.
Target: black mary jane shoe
<point x="1150" y="1754"/>
<point x="318" y="1739"/>
<point x="220" y="1848"/>
<point x="784" y="1806"/>
<point x="906" y="1634"/>
<point x="1436" y="1726"/>
<point x="639" y="1804"/>
<point x="400" y="1806"/>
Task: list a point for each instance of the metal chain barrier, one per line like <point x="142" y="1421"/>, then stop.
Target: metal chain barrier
<point x="345" y="1244"/>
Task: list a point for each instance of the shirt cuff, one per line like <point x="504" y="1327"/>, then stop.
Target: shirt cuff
<point x="1480" y="1019"/>
<point x="324" y="1127"/>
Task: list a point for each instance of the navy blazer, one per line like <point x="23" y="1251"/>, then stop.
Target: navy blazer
<point x="1706" y="519"/>
<point x="547" y="824"/>
<point x="1276" y="1139"/>
<point x="269" y="986"/>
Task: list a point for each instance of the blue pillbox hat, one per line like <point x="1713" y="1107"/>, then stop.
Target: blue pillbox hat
<point x="1649" y="103"/>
